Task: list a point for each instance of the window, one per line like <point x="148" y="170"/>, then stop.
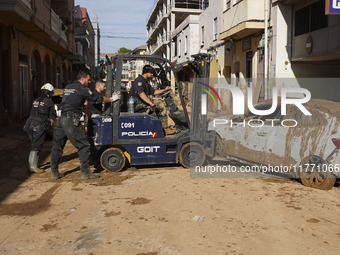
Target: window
<point x="186" y="45"/>
<point x="227" y="4"/>
<point x="310" y="18"/>
<point x="202" y="35"/>
<point x="215" y="29"/>
<point x="179" y="48"/>
<point x="318" y="18"/>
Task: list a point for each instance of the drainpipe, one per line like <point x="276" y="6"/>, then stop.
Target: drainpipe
<point x="266" y="49"/>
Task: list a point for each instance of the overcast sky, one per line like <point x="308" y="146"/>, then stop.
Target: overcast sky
<point x="125" y="19"/>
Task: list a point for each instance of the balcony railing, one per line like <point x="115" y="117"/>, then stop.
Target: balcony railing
<point x="164" y="13"/>
<point x="56" y="27"/>
<point x="162" y="40"/>
<point x="189" y="4"/>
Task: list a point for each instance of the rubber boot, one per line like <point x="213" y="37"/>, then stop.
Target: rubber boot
<point x="55" y="172"/>
<point x="30" y="160"/>
<point x="33" y="162"/>
<point x="86" y="174"/>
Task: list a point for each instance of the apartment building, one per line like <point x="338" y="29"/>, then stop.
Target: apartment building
<point x="126" y="69"/>
<point x="136" y="66"/>
<point x="303" y="43"/>
<point x="85" y="42"/>
<point x="96" y="30"/>
<point x="306" y="44"/>
<point x="164" y="18"/>
<point x="242" y="29"/>
<point x="186" y="40"/>
<point x="210" y="25"/>
<point x="36" y="37"/>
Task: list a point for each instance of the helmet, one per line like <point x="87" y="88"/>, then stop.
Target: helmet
<point x="48" y="87"/>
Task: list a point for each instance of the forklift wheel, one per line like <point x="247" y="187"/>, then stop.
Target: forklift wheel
<point x="191" y="154"/>
<point x="113" y="159"/>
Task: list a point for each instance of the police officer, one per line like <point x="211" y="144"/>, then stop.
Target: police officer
<point x="94" y="109"/>
<point x="141" y="90"/>
<point x="72" y="104"/>
<point x="42" y="113"/>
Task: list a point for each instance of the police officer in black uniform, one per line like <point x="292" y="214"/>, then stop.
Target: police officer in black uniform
<point x="141" y="90"/>
<point x="94" y="109"/>
<point x="72" y="105"/>
<point x="42" y="114"/>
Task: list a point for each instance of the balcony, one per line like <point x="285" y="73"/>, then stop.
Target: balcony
<point x="162" y="15"/>
<point x="243" y="19"/>
<point x="18" y="13"/>
<point x="57" y="34"/>
<point x="188" y="4"/>
<point x="42" y="24"/>
<point x="162" y="41"/>
<point x="81" y="35"/>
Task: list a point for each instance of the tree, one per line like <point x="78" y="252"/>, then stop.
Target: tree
<point x="124" y="50"/>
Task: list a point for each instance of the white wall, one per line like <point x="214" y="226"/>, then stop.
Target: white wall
<point x="242" y="11"/>
<point x="207" y="19"/>
<point x="280" y="66"/>
<point x="187" y="38"/>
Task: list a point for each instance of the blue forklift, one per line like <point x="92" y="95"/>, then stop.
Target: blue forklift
<point x="123" y="138"/>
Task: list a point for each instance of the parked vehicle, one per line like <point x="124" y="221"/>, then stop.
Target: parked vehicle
<point x="310" y="149"/>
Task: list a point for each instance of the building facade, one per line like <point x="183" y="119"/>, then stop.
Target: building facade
<point x="96" y="30"/>
<point x="36" y="37"/>
<point x="242" y="30"/>
<point x="306" y="46"/>
<point x="136" y="66"/>
<point x="85" y="42"/>
<point x="164" y="18"/>
<point x="210" y="25"/>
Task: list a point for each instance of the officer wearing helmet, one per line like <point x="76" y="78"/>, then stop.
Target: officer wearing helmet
<point x="42" y="114"/>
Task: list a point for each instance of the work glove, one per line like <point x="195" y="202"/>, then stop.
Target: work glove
<point x="115" y="96"/>
<point x="95" y="115"/>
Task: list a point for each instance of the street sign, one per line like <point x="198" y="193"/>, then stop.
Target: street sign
<point x="332" y="7"/>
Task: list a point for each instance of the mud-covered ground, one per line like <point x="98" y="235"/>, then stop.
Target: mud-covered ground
<point x="158" y="210"/>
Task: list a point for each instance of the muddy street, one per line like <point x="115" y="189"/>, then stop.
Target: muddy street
<point x="159" y="210"/>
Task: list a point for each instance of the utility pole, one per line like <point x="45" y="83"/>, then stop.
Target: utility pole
<point x="266" y="49"/>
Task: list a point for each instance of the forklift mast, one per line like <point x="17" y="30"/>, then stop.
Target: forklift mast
<point x="201" y="69"/>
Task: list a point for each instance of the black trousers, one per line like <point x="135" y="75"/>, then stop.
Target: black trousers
<point x="90" y="135"/>
<point x="64" y="129"/>
<point x="36" y="133"/>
